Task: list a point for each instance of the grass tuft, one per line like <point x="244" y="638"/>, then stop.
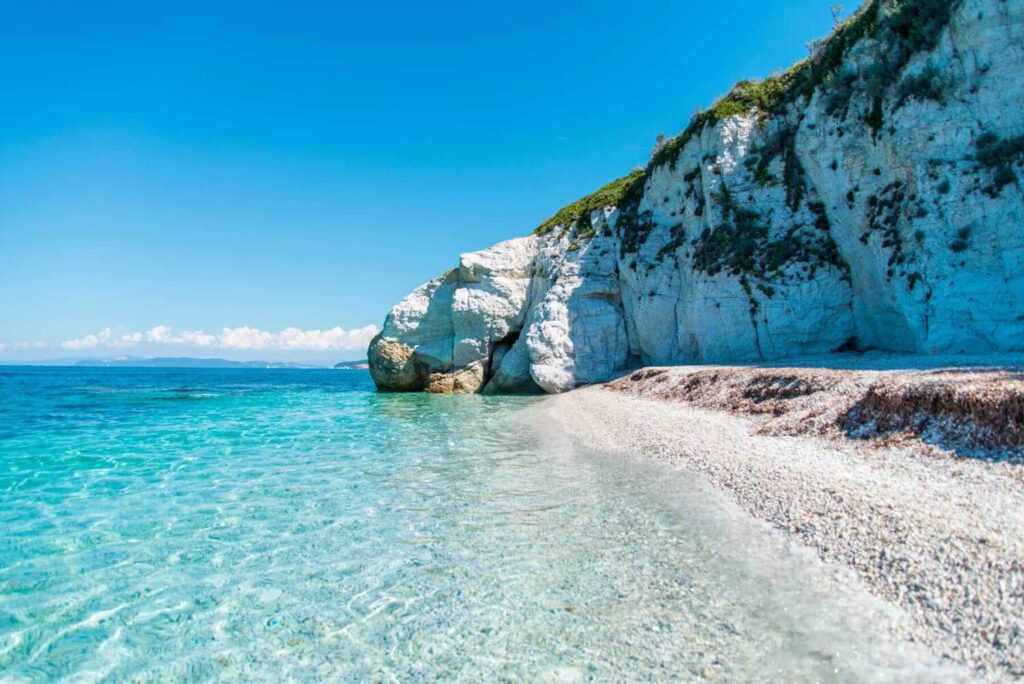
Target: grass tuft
<point x="611" y="195"/>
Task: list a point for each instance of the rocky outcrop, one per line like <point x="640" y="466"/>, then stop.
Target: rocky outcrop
<point x="446" y="335"/>
<point x="868" y="197"/>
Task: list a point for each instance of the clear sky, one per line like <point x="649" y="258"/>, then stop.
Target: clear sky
<point x="172" y="170"/>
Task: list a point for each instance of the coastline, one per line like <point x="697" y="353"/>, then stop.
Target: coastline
<point x="921" y="520"/>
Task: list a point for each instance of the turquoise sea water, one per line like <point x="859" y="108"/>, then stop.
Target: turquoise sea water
<point x="169" y="525"/>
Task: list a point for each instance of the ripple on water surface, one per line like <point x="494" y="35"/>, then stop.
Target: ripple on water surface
<point x="239" y="525"/>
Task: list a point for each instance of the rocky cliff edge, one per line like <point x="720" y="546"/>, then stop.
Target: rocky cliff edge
<point x="869" y="197"/>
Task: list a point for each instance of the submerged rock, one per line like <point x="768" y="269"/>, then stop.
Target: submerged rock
<point x="868" y="198"/>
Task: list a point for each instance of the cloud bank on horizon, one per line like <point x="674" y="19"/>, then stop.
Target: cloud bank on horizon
<point x="245" y="338"/>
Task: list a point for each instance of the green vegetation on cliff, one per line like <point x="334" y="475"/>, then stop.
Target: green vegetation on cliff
<point x="611" y="195"/>
<point x="900" y="30"/>
<point x="858" y="70"/>
<point x="999" y="157"/>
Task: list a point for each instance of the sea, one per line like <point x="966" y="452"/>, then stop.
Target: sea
<point x="294" y="525"/>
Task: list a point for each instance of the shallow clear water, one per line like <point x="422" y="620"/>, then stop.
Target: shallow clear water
<point x="269" y="525"/>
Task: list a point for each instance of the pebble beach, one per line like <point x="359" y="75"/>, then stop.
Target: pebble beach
<point x="937" y="534"/>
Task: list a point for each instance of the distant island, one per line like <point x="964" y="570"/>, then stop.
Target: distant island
<point x="352" y="365"/>
<point x="186" y="362"/>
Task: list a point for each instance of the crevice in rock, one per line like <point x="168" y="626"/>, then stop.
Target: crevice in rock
<point x="498" y="351"/>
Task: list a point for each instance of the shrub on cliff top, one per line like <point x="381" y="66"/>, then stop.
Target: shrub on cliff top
<point x="611" y="195"/>
<point x="771" y="94"/>
<point x="903" y="28"/>
<point x="763" y="96"/>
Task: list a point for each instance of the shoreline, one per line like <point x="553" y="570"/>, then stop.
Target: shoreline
<point x="938" y="533"/>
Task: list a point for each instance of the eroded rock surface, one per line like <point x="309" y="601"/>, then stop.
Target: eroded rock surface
<point x="868" y="198"/>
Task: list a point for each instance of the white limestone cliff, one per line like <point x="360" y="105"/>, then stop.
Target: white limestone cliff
<point x="870" y="197"/>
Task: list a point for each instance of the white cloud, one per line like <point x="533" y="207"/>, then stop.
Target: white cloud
<point x="104" y="338"/>
<point x="197" y="338"/>
<point x="246" y="338"/>
<point x="162" y="334"/>
<point x="294" y="339"/>
<point x="159" y="334"/>
<point x="324" y="340"/>
<point x="243" y="338"/>
<point x="89" y="341"/>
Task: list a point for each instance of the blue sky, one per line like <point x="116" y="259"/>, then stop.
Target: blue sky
<point x="187" y="168"/>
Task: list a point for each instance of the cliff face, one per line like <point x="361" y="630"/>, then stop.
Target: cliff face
<point x="869" y="197"/>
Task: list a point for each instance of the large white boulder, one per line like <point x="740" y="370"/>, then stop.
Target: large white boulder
<point x="441" y="336"/>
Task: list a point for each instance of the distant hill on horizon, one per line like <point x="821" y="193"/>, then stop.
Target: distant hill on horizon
<point x="162" y="361"/>
<point x="353" y="365"/>
<point x="183" y="362"/>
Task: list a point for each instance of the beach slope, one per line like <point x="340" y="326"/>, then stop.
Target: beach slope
<point x="900" y="475"/>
